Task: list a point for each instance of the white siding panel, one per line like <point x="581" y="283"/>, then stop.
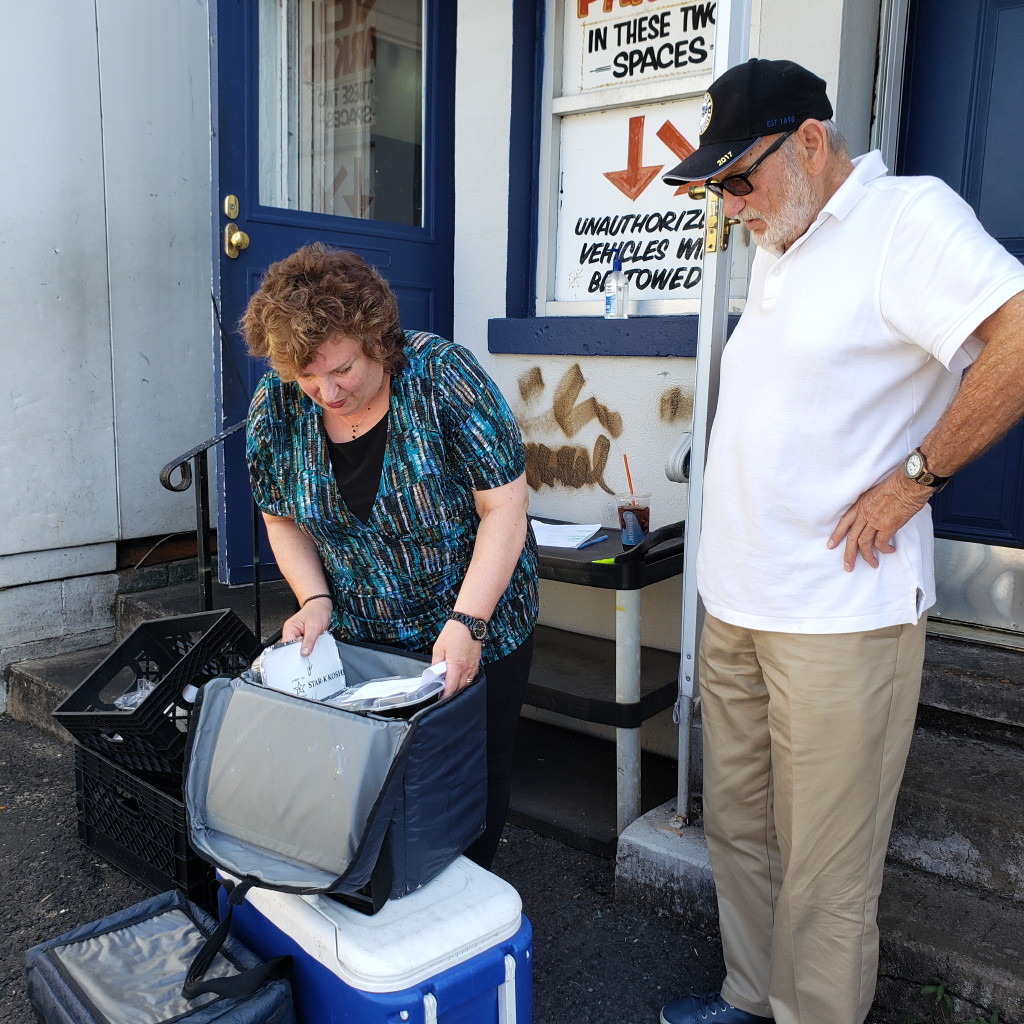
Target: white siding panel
<point x="154" y="71"/>
<point x="56" y="452"/>
<point x="56" y="564"/>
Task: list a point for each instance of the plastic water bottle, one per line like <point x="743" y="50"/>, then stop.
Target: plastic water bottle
<point x="616" y="291"/>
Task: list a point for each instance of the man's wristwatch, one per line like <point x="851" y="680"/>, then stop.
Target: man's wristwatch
<point x="915" y="467"/>
<point x="476" y="627"/>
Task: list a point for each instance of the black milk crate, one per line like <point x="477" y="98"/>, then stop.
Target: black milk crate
<point x="172" y="653"/>
<point x="140" y="827"/>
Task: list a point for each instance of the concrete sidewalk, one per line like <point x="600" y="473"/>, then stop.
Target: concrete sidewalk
<point x="595" y="960"/>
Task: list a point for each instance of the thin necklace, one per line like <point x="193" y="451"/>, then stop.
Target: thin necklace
<point x="366" y="412"/>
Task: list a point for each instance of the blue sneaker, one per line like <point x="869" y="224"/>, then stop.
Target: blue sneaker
<point x="699" y="1009"/>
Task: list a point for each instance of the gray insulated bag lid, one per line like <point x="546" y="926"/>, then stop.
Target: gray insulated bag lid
<point x="297" y="795"/>
<point x="131" y="967"/>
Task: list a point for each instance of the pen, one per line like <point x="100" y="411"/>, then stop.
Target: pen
<point x="594" y="540"/>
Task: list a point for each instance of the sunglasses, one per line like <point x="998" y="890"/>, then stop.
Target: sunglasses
<point x="740" y="184"/>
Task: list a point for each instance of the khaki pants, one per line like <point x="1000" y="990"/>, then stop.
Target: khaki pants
<point x="805" y="741"/>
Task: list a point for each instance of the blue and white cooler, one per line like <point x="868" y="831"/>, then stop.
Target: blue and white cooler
<point x="457" y="951"/>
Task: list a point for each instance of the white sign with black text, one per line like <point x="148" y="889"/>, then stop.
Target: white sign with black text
<point x="613" y="198"/>
<point x="622" y="42"/>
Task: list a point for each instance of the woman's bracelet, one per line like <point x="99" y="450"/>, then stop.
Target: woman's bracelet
<point x="316" y="597"/>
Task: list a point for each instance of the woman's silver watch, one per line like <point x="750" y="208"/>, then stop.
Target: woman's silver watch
<point x="477" y="627"/>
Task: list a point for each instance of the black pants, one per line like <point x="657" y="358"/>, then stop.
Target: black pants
<point x="506" y="687"/>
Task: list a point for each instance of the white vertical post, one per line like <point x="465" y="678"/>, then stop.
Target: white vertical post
<point x="732" y="46"/>
<point x="627" y="691"/>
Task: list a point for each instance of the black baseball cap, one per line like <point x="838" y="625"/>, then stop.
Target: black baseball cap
<point x="761" y="97"/>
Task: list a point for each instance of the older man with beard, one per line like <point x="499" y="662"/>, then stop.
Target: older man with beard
<point x="841" y="411"/>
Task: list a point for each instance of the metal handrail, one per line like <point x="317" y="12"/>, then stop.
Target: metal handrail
<point x="193" y="465"/>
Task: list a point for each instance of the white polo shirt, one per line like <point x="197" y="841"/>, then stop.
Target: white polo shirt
<point x="849" y="350"/>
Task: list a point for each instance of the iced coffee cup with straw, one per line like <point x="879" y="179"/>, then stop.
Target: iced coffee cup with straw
<point x="634" y="517"/>
<point x="634" y="511"/>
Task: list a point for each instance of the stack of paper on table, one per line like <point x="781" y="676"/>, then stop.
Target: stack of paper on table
<point x="563" y="535"/>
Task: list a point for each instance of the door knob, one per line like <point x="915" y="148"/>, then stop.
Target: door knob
<point x="235" y="240"/>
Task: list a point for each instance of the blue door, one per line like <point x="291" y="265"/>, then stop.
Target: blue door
<point x="335" y="124"/>
<point x="962" y="121"/>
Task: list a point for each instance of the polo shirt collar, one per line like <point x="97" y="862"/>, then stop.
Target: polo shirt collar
<point x="866" y="169"/>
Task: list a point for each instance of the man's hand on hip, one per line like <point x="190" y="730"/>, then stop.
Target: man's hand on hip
<point x="871" y="522"/>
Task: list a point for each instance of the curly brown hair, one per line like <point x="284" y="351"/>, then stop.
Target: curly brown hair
<point x="311" y="296"/>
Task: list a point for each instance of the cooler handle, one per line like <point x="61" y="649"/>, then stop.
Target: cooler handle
<point x="507" y="993"/>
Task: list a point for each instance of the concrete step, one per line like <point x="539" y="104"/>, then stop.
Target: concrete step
<point x="976" y="689"/>
<point x="36" y="686"/>
<point x="276" y="604"/>
<point x="932" y="928"/>
<point x="972" y="941"/>
<point x="960" y="812"/>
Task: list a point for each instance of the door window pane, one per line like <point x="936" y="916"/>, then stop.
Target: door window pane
<point x="341" y="108"/>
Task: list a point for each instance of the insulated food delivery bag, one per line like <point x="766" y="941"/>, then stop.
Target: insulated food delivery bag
<point x="301" y="796"/>
<point x="130" y="968"/>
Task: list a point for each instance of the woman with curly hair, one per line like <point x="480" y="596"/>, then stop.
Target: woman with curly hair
<point x="390" y="474"/>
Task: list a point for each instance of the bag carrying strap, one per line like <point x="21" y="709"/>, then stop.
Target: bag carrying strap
<point x="243" y="984"/>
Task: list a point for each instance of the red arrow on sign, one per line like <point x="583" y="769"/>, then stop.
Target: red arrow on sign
<point x="677" y="142"/>
<point x="635" y="178"/>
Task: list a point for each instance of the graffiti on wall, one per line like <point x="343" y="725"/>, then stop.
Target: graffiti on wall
<point x="571" y="465"/>
<point x="675" y="405"/>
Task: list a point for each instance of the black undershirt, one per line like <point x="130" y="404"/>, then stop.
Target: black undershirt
<point x="357" y="468"/>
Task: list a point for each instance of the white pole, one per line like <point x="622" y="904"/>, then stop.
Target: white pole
<point x="627" y="691"/>
<point x="732" y="46"/>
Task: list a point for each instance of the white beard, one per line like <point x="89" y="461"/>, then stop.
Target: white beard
<point x="786" y="225"/>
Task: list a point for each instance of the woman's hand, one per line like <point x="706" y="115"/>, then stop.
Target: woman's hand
<point x="299" y="562"/>
<point x="456" y="646"/>
<point x="308" y="623"/>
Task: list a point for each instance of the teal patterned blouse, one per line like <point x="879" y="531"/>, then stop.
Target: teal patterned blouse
<point x="395" y="577"/>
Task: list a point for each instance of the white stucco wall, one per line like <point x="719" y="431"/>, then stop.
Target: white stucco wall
<point x="837" y="40"/>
